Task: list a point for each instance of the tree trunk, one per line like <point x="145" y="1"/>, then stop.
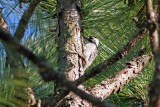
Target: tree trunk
<point x="70" y="46"/>
<point x="69" y="40"/>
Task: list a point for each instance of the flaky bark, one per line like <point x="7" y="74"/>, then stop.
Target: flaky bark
<point x="69" y="39"/>
<point x="70" y="46"/>
<point x="131" y="71"/>
<point x="112" y="85"/>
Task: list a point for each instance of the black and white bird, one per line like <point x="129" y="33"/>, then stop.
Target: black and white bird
<point x="90" y="51"/>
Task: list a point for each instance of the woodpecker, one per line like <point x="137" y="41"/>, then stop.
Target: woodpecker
<point x="90" y="51"/>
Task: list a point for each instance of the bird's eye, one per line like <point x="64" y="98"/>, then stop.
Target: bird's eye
<point x="90" y="37"/>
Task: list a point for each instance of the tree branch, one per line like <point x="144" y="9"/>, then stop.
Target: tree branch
<point x="46" y="72"/>
<point x="25" y="19"/>
<point x="12" y="60"/>
<point x="120" y="54"/>
<point x="112" y="85"/>
<point x="15" y="60"/>
<point x="151" y="16"/>
<point x="99" y="68"/>
<point x="154" y="94"/>
<point x="131" y="71"/>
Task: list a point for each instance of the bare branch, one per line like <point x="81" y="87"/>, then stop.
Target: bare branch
<point x="154" y="94"/>
<point x="25" y="19"/>
<point x="47" y="73"/>
<point x="151" y="16"/>
<point x="131" y="71"/>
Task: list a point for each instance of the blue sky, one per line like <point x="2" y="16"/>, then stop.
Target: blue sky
<point x="12" y="14"/>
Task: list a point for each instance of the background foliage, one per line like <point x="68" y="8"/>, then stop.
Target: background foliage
<point x="110" y="21"/>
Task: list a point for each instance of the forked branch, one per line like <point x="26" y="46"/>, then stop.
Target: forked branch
<point x="47" y="73"/>
<point x="99" y="68"/>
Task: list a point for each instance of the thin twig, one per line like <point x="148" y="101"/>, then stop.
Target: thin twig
<point x="25" y="19"/>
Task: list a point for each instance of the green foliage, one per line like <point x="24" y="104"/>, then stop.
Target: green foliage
<point x="135" y="94"/>
<point x="49" y="6"/>
<point x="109" y="20"/>
<point x="12" y="88"/>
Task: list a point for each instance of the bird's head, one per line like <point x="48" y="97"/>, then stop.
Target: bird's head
<point x="94" y="40"/>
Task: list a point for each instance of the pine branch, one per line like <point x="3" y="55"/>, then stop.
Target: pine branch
<point x="112" y="85"/>
<point x="25" y="19"/>
<point x="11" y="60"/>
<point x="97" y="69"/>
<point x="153" y="32"/>
<point x="131" y="71"/>
<point x="14" y="60"/>
<point x="46" y="72"/>
<point x="154" y="94"/>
